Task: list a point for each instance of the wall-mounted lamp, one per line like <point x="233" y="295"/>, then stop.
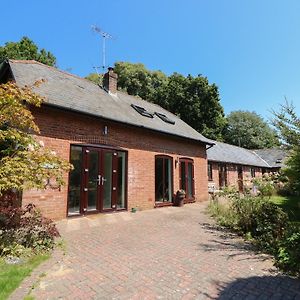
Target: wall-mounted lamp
<point x="105" y="130"/>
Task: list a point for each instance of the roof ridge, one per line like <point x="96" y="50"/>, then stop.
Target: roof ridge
<point x="261" y="158"/>
<point x="234" y="146"/>
<point x="32" y="61"/>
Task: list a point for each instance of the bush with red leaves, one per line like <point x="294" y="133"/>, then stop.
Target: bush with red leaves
<point x="24" y="226"/>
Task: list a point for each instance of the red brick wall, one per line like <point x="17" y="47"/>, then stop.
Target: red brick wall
<point x="60" y="128"/>
<point x="232" y="174"/>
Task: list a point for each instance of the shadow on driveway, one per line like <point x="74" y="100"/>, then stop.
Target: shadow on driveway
<point x="265" y="287"/>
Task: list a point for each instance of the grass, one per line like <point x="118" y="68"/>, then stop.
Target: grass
<point x="12" y="275"/>
<point x="290" y="204"/>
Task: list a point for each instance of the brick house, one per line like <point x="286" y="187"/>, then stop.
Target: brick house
<point x="229" y="165"/>
<point x="127" y="153"/>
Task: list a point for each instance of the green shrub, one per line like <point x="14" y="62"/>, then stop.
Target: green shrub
<point x="224" y="215"/>
<point x="266" y="224"/>
<point x="271" y="223"/>
<point x="265" y="186"/>
<point x="288" y="255"/>
<point x="255" y="216"/>
<point x="245" y="210"/>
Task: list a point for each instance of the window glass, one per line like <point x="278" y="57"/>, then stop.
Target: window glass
<point x="121" y="180"/>
<point x="93" y="171"/>
<point x="209" y="171"/>
<point x="107" y="180"/>
<point x="163" y="179"/>
<point x="75" y="181"/>
<point x="183" y="175"/>
<point x="190" y="191"/>
<point x="168" y="180"/>
<point x="252" y="170"/>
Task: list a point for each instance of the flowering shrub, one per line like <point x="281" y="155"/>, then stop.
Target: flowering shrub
<point x="24" y="228"/>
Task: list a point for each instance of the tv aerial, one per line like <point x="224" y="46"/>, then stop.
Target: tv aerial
<point x="105" y="36"/>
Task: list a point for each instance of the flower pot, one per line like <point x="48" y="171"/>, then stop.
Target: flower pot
<point x="180" y="196"/>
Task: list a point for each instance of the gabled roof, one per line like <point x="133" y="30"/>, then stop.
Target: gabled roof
<point x="222" y="152"/>
<point x="70" y="92"/>
<point x="274" y="157"/>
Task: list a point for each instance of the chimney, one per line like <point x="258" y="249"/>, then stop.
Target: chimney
<point x="110" y="81"/>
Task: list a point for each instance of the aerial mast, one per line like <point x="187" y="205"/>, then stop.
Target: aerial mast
<point x="105" y="36"/>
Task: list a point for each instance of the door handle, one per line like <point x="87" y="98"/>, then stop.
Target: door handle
<point x="103" y="180"/>
<point x="99" y="180"/>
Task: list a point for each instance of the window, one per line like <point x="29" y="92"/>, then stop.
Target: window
<point x="142" y="111"/>
<point x="163" y="179"/>
<point x="186" y="177"/>
<point x="165" y="118"/>
<point x="209" y="171"/>
<point x="222" y="175"/>
<point x="252" y="171"/>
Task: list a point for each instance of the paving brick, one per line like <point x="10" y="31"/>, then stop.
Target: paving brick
<point x="158" y="255"/>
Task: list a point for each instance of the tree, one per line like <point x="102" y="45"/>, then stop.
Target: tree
<point x="193" y="99"/>
<point x="136" y="80"/>
<point x="24" y="162"/>
<point x="26" y="49"/>
<point x="94" y="77"/>
<point x="287" y="124"/>
<point x="249" y="130"/>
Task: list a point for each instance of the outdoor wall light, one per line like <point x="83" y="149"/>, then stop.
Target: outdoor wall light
<point x="105" y="130"/>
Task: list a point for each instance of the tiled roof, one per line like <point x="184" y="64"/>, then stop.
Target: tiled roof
<point x="226" y="153"/>
<point x="70" y="92"/>
<point x="274" y="157"/>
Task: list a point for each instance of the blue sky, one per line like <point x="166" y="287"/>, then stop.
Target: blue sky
<point x="249" y="48"/>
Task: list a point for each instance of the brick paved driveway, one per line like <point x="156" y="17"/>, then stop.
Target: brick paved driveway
<point x="166" y="253"/>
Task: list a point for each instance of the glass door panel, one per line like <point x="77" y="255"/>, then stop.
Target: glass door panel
<point x="163" y="179"/>
<point x="93" y="180"/>
<point x="121" y="180"/>
<point x="74" y="196"/>
<point x="107" y="180"/>
<point x="159" y="195"/>
<point x="183" y="175"/>
<point x="168" y="180"/>
<point x="187" y="177"/>
<point x="190" y="191"/>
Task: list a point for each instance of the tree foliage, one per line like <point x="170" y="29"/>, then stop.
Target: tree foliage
<point x="26" y="49"/>
<point x="94" y="77"/>
<point x="249" y="130"/>
<point x="24" y="162"/>
<point x="193" y="99"/>
<point x="288" y="126"/>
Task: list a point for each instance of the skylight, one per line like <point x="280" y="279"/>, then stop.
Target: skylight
<point x="165" y="118"/>
<point x="142" y="111"/>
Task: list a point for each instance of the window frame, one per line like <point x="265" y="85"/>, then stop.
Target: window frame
<point x="252" y="172"/>
<point x="210" y="171"/>
<point x="83" y="166"/>
<point x="142" y="111"/>
<point x="162" y="156"/>
<point x="164" y="118"/>
<point x="187" y="160"/>
<point x="223" y="169"/>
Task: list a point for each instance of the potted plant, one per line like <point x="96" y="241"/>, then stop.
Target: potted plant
<point x="180" y="196"/>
